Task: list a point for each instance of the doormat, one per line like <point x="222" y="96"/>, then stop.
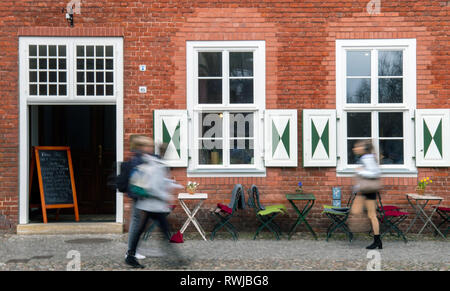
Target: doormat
<point x="88" y="241"/>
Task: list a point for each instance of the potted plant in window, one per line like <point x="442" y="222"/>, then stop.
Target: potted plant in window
<point x="422" y="184"/>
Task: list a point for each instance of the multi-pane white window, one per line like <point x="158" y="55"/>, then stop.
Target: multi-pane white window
<point x="73" y="69"/>
<point x="226" y="97"/>
<point x="376" y="98"/>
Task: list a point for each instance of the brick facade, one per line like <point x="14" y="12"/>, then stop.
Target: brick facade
<point x="300" y="74"/>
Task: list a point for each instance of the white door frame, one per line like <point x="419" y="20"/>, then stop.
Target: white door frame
<point x="24" y="114"/>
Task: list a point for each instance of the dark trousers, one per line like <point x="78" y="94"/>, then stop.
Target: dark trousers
<point x="145" y="217"/>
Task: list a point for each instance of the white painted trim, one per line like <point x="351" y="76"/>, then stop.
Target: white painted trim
<point x="258" y="47"/>
<point x="408" y="106"/>
<point x="25" y="101"/>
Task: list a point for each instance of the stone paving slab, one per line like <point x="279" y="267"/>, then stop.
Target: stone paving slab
<point x="302" y="252"/>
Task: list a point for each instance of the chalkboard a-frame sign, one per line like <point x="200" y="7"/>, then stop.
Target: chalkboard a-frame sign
<point x="56" y="179"/>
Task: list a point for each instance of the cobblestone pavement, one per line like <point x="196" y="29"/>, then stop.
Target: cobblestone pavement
<point x="302" y="252"/>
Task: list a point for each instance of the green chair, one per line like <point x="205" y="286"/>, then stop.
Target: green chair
<point x="265" y="214"/>
<point x="339" y="216"/>
<point x="224" y="213"/>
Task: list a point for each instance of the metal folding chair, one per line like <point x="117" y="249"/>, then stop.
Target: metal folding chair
<point x="390" y="219"/>
<point x="224" y="214"/>
<point x="265" y="214"/>
<point x="444" y="213"/>
<point x="339" y="216"/>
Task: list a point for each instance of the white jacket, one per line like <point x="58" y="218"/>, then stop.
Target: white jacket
<point x="152" y="176"/>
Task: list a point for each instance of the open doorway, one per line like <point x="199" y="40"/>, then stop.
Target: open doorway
<point x="90" y="132"/>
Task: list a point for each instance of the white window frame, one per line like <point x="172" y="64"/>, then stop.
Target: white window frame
<point x="407" y="107"/>
<point x="193" y="107"/>
<point x="25" y="100"/>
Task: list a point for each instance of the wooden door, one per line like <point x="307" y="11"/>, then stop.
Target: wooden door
<point x="90" y="131"/>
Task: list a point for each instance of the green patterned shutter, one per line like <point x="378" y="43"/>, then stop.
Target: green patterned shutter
<point x="281" y="138"/>
<point x="319" y="138"/>
<point x="170" y="126"/>
<point x="432" y="137"/>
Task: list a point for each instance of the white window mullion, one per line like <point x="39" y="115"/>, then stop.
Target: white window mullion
<point x="226" y="139"/>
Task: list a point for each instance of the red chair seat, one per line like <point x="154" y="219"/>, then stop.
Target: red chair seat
<point x="444" y="209"/>
<point x="225" y="208"/>
<point x="390" y="207"/>
<point x="395" y="213"/>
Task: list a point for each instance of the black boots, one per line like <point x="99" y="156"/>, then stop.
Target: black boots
<point x="376" y="243"/>
<point x="133" y="262"/>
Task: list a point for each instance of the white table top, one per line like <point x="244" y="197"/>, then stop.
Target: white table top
<point x="424" y="197"/>
<point x="193" y="196"/>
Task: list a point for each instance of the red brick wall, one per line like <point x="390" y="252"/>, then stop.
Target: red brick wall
<point x="300" y="73"/>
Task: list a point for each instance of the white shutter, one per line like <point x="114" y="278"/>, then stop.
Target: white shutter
<point x="432" y="137"/>
<point x="319" y="138"/>
<point x="280" y="138"/>
<point x="170" y="126"/>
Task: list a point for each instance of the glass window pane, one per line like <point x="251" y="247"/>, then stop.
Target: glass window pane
<point x="241" y="151"/>
<point x="352" y="159"/>
<point x="99" y="64"/>
<point x="241" y="91"/>
<point x="210" y="152"/>
<point x="90" y="77"/>
<point x="33" y="89"/>
<point x="241" y="124"/>
<point x="62" y="77"/>
<point x="390" y="90"/>
<point x="109" y="77"/>
<point x="359" y="124"/>
<point x="390" y="63"/>
<point x="52" y="77"/>
<point x="358" y="63"/>
<point x="211" y="125"/>
<point x="89" y="51"/>
<point x="52" y="64"/>
<point x="52" y="90"/>
<point x="109" y="64"/>
<point x="42" y="64"/>
<point x="62" y="90"/>
<point x="210" y="91"/>
<point x="99" y="77"/>
<point x="80" y="90"/>
<point x="80" y="77"/>
<point x="62" y="50"/>
<point x="62" y="64"/>
<point x="89" y="64"/>
<point x="32" y="50"/>
<point x="109" y="90"/>
<point x="52" y="50"/>
<point x="43" y="76"/>
<point x="391" y="124"/>
<point x="358" y="90"/>
<point x="99" y="51"/>
<point x="33" y="64"/>
<point x="391" y="152"/>
<point x="209" y="64"/>
<point x="33" y="77"/>
<point x="80" y="51"/>
<point x="241" y="64"/>
<point x="42" y="50"/>
<point x="100" y="90"/>
<point x="90" y="90"/>
<point x="80" y="64"/>
<point x="109" y="51"/>
<point x="42" y="89"/>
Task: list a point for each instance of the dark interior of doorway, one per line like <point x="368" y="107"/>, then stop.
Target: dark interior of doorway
<point x="90" y="132"/>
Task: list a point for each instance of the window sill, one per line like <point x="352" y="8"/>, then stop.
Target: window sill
<point x="226" y="173"/>
<point x="348" y="172"/>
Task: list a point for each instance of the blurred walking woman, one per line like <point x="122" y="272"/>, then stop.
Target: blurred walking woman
<point x="368" y="170"/>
